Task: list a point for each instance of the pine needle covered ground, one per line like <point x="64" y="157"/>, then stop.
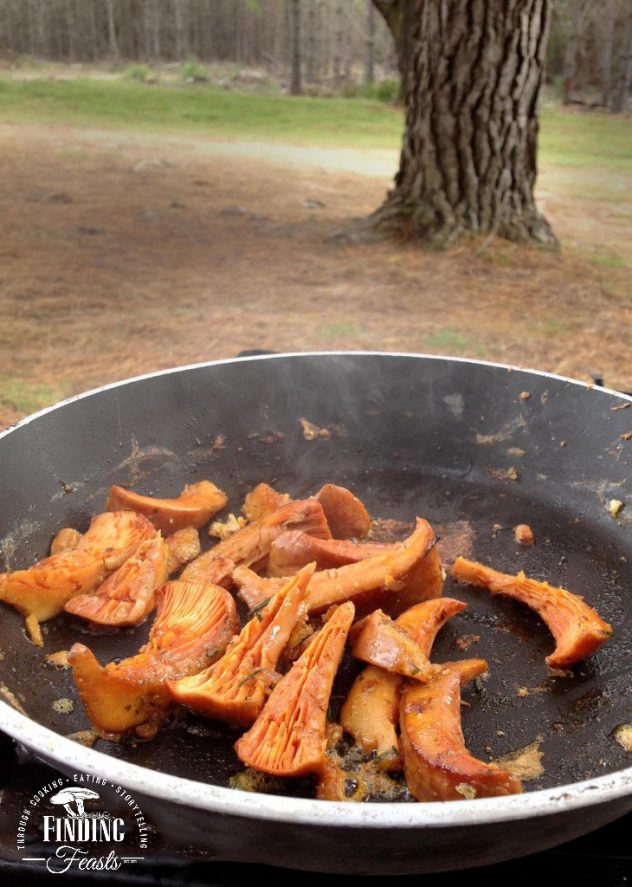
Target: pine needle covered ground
<point x="146" y="226"/>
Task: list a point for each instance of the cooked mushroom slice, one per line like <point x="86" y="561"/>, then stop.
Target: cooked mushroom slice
<point x="289" y="736"/>
<point x="193" y="508"/>
<point x="182" y="547"/>
<point x="577" y="628"/>
<point x="262" y="501"/>
<point x="370" y="711"/>
<point x="65" y="540"/>
<point x="235" y="688"/>
<point x="382" y="580"/>
<point x="44" y="588"/>
<point x="193" y="626"/>
<point x="437" y="765"/>
<point x="127" y="596"/>
<point x="293" y="549"/>
<point x="346" y="515"/>
<point x="251" y="545"/>
<point x="380" y="641"/>
<point x="255" y="590"/>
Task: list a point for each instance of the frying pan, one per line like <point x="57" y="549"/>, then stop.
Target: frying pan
<point x="452" y="440"/>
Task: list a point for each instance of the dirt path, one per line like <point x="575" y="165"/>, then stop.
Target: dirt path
<point x="122" y="253"/>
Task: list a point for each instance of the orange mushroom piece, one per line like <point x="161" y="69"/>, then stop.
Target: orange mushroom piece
<point x="437" y="765"/>
<point x="251" y="545"/>
<point x="193" y="508"/>
<point x="43" y="589"/>
<point x="371" y="710"/>
<point x="384" y="579"/>
<point x="193" y="626"/>
<point x="381" y="642"/>
<point x="293" y="549"/>
<point x="577" y="628"/>
<point x="182" y="547"/>
<point x="65" y="540"/>
<point x="289" y="738"/>
<point x="346" y="515"/>
<point x="127" y="596"/>
<point x="235" y="688"/>
<point x="262" y="501"/>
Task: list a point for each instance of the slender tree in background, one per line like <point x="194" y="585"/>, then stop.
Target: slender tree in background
<point x="624" y="79"/>
<point x="114" y="50"/>
<point x="338" y="38"/>
<point x="609" y="17"/>
<point x="578" y="15"/>
<point x="295" y="47"/>
<point x="468" y="161"/>
<point x="369" y="70"/>
<point x="311" y="60"/>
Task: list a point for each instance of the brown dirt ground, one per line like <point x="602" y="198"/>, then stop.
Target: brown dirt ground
<point x="124" y="257"/>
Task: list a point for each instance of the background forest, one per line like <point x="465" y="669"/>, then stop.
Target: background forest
<point x="334" y="45"/>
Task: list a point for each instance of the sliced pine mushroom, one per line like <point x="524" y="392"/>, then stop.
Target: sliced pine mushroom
<point x="236" y="687"/>
<point x="289" y="738"/>
<point x="346" y="515"/>
<point x="127" y="595"/>
<point x="371" y="710"/>
<point x="251" y="545"/>
<point x="437" y="765"/>
<point x="577" y="628"/>
<point x="43" y="589"/>
<point x="194" y="507"/>
<point x="193" y="626"/>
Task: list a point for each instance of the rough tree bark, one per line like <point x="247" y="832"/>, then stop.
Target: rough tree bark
<point x="310" y="53"/>
<point x="608" y="21"/>
<point x="338" y="36"/>
<point x="295" y="42"/>
<point x="578" y="9"/>
<point x="114" y="48"/>
<point x="369" y="69"/>
<point x="468" y="161"/>
<point x="624" y="79"/>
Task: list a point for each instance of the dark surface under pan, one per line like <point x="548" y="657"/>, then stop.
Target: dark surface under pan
<point x="429" y="437"/>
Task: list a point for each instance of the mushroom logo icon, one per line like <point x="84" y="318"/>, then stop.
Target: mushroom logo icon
<point x="73" y="793"/>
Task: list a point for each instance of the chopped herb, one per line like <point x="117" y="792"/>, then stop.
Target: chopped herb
<point x="389" y="753"/>
<point x="414" y="670"/>
<point x="256" y="612"/>
<point x="249" y="676"/>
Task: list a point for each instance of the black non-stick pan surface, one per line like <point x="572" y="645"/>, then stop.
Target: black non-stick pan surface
<point x="445" y="439"/>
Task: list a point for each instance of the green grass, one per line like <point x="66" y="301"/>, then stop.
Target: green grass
<point x="609" y="260"/>
<point x="453" y="342"/>
<point x="24" y="396"/>
<point x="338" y="330"/>
<point x="568" y="139"/>
<point x="585" y="139"/>
<point x="203" y="109"/>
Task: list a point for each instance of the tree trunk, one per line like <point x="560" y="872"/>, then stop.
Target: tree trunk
<point x="468" y="161"/>
<point x="338" y="34"/>
<point x="399" y="16"/>
<point x="114" y="50"/>
<point x="369" y="70"/>
<point x="578" y="9"/>
<point x="295" y="47"/>
<point x="624" y="80"/>
<point x="310" y="60"/>
<point x="607" y="37"/>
